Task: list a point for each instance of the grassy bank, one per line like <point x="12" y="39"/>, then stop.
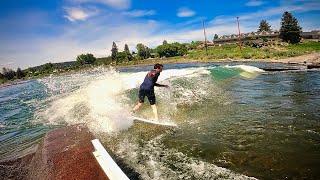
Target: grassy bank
<point x="275" y="53"/>
<point x="247" y="52"/>
<point x="232" y="52"/>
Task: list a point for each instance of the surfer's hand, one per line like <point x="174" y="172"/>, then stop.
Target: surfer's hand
<point x="166" y="86"/>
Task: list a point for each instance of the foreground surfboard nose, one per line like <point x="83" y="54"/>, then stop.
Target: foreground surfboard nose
<point x="109" y="166"/>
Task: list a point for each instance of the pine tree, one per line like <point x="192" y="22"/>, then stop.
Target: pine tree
<point x="164" y="42"/>
<point x="19" y="73"/>
<point x="114" y="51"/>
<point x="290" y="30"/>
<point x="215" y="36"/>
<point x="264" y="26"/>
<point x="126" y="48"/>
<point x="127" y="51"/>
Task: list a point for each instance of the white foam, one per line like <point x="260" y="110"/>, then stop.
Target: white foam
<point x="247" y="68"/>
<point x="153" y="161"/>
<point x="95" y="97"/>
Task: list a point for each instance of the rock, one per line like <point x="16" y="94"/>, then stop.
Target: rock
<point x="313" y="66"/>
<point x="66" y="153"/>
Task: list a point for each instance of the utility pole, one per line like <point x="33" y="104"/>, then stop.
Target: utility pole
<point x="205" y="37"/>
<point x="239" y="34"/>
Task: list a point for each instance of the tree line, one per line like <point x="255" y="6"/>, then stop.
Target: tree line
<point x="143" y="52"/>
<point x="9" y="74"/>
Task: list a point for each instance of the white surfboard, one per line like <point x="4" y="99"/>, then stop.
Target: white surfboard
<point x="161" y="122"/>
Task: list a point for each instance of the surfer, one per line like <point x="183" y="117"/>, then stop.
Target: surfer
<point x="147" y="89"/>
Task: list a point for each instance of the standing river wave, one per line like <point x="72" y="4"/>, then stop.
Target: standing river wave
<point x="234" y="121"/>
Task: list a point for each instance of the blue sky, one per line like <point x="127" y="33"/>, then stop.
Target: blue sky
<point x="34" y="32"/>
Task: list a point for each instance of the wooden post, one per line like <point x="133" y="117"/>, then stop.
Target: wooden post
<point x="205" y="37"/>
<point x="239" y="34"/>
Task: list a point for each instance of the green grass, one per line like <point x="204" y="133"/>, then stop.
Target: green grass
<point x="233" y="51"/>
<point x="310" y="46"/>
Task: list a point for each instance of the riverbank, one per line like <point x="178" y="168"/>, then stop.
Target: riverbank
<point x="311" y="58"/>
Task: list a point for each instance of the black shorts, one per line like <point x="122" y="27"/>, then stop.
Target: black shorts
<point x="149" y="94"/>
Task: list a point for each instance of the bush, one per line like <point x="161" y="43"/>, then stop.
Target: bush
<point x="171" y="50"/>
<point x="247" y="56"/>
<point x="86" y="59"/>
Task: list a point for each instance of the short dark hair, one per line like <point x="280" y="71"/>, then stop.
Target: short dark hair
<point x="157" y="66"/>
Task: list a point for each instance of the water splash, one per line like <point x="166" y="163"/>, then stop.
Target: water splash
<point x="99" y="98"/>
<point x="152" y="160"/>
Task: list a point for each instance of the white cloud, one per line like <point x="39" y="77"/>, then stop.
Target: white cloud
<point x="268" y="13"/>
<point x="117" y="4"/>
<point x="79" y="14"/>
<point x="254" y="3"/>
<point x="140" y="13"/>
<point x="96" y="36"/>
<point x="185" y="12"/>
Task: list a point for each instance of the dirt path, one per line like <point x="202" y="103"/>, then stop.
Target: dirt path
<point x="312" y="58"/>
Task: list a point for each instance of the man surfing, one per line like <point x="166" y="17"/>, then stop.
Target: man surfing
<point x="147" y="89"/>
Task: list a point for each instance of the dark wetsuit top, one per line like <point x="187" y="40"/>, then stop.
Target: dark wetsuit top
<point x="147" y="87"/>
<point x="150" y="81"/>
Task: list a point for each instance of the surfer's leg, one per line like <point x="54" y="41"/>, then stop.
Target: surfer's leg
<point x="141" y="101"/>
<point x="137" y="107"/>
<point x="152" y="101"/>
<point x="155" y="112"/>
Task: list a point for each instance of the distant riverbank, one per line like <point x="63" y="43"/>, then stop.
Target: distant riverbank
<point x="312" y="58"/>
<point x="305" y="53"/>
<point x="306" y="59"/>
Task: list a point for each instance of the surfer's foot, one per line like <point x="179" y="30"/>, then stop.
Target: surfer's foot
<point x="132" y="113"/>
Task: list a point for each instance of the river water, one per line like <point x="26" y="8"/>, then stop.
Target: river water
<point x="234" y="121"/>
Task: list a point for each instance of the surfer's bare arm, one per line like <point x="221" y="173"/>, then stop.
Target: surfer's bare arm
<point x="160" y="85"/>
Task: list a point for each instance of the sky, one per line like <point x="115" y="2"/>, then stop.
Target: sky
<point x="34" y="32"/>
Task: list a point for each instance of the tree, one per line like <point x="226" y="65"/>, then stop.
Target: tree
<point x="215" y="36"/>
<point x="164" y="42"/>
<point x="121" y="56"/>
<point x="143" y="51"/>
<point x="170" y="50"/>
<point x="193" y="45"/>
<point x="126" y="49"/>
<point x="114" y="51"/>
<point x="19" y="73"/>
<point x="290" y="30"/>
<point x="8" y="74"/>
<point x="264" y="26"/>
<point x="1" y="76"/>
<point x="86" y="59"/>
<point x="47" y="67"/>
<point x="148" y="52"/>
<point x="129" y="56"/>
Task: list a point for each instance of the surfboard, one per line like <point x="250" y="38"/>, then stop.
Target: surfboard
<point x="161" y="122"/>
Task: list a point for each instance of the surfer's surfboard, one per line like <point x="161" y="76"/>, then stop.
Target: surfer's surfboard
<point x="154" y="122"/>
